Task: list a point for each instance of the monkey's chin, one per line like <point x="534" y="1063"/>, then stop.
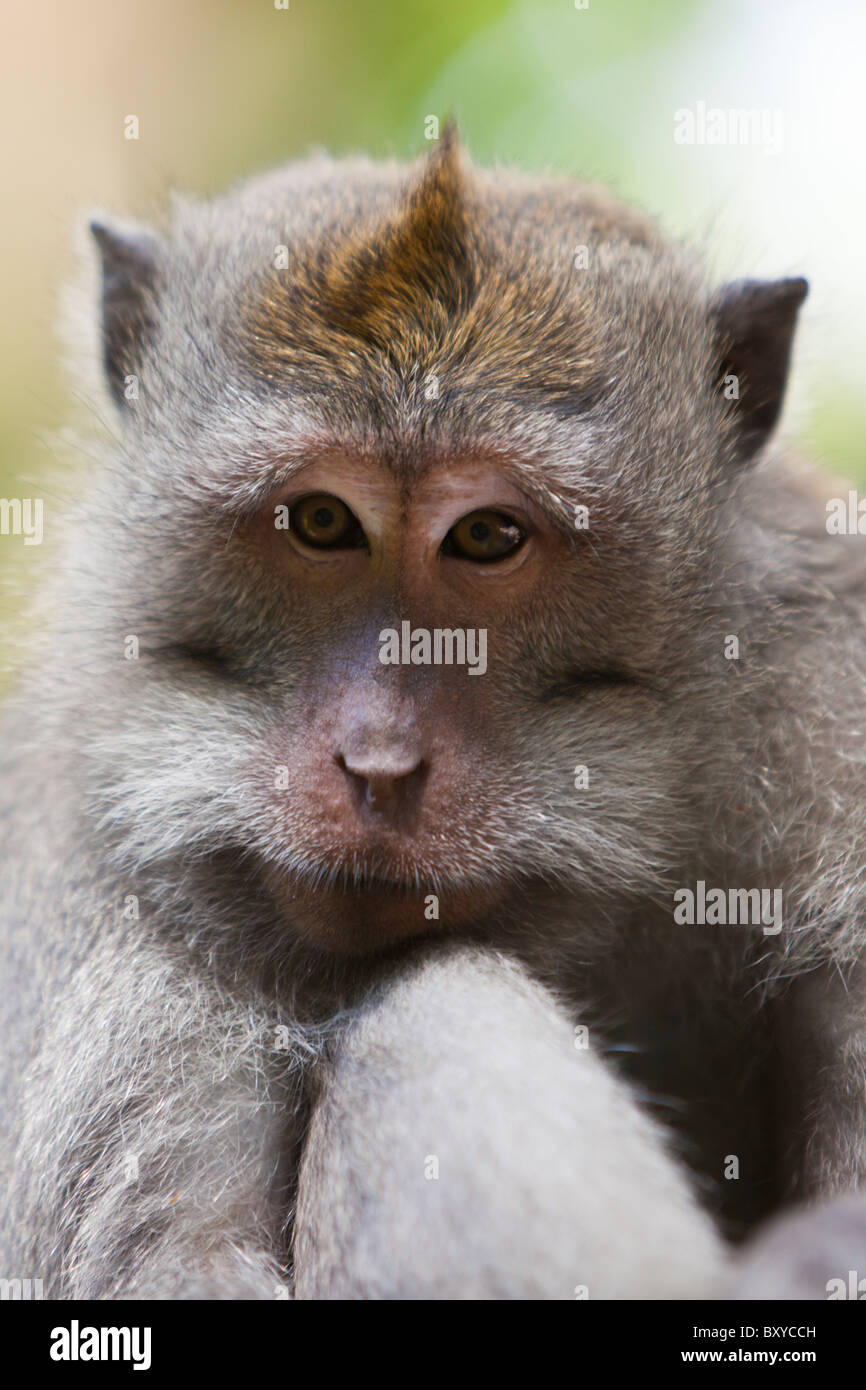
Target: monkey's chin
<point x="376" y="915"/>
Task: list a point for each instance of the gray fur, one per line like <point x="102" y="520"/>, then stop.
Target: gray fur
<point x="156" y="1036"/>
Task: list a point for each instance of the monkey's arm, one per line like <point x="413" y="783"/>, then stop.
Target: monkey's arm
<point x="148" y="1162"/>
<point x="823" y="1061"/>
<point x="464" y="1148"/>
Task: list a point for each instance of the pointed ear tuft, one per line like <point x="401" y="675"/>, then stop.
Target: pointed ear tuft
<point x="129" y="275"/>
<point x="754" y="327"/>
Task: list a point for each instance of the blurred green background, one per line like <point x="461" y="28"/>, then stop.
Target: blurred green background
<point x="230" y="86"/>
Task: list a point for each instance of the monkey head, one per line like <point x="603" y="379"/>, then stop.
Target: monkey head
<point x="421" y="473"/>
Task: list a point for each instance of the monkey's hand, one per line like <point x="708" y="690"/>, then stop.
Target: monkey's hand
<point x="817" y="1252"/>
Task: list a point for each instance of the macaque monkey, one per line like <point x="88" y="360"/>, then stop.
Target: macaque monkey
<point x="433" y="851"/>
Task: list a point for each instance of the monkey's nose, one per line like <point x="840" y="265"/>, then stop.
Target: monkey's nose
<point x="382" y="781"/>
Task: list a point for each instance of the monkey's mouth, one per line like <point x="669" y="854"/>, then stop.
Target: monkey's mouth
<point x="360" y="906"/>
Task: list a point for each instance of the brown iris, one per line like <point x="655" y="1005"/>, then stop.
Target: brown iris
<point x="484" y="536"/>
<point x="324" y="522"/>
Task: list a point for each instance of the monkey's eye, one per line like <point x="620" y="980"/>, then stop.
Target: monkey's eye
<point x="484" y="537"/>
<point x="325" y="523"/>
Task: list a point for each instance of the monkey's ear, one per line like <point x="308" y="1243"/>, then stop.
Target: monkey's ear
<point x="754" y="326"/>
<point x="129" y="275"/>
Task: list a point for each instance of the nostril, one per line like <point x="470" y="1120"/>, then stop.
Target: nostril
<point x="379" y="790"/>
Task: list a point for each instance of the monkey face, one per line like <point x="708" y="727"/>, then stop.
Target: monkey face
<point x="433" y="677"/>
